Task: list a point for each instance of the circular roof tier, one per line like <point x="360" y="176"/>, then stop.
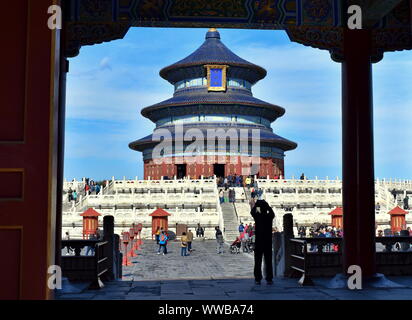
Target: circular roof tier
<point x="266" y="136"/>
<point x="203" y="97"/>
<point x="212" y="51"/>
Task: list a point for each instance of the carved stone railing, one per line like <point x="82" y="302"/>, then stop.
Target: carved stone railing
<point x="84" y="267"/>
<point x="309" y="257"/>
<point x="104" y="264"/>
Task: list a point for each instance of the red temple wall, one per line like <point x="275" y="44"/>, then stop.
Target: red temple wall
<point x="201" y="167"/>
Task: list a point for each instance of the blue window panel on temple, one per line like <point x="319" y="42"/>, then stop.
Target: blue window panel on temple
<point x="216" y="77"/>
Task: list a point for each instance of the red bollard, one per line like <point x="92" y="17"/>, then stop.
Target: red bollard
<point x="140" y="242"/>
<point x="126" y="262"/>
<point x="135" y="231"/>
<point x="131" y="252"/>
<point x="126" y="239"/>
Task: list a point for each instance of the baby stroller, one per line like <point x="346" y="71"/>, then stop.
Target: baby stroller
<point x="235" y="246"/>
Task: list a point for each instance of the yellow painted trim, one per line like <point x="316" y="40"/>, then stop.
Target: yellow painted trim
<point x="224" y="78"/>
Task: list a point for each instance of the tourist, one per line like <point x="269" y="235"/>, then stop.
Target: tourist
<point x="219" y="240"/>
<point x="237" y="181"/>
<point x="91" y="248"/>
<point x="157" y="234"/>
<point x="248" y="180"/>
<point x="231" y="195"/>
<point x="67" y="237"/>
<point x="378" y="207"/>
<point x="394" y="194"/>
<point x="221" y="196"/>
<point x="241" y="228"/>
<point x="98" y="234"/>
<point x="229" y="180"/>
<point x="97" y="189"/>
<point x="163" y="242"/>
<point x="74" y="196"/>
<point x="302" y="177"/>
<point x="70" y="194"/>
<point x="252" y="192"/>
<point x="189" y="240"/>
<point x="406" y="203"/>
<point x="244" y="238"/>
<point x="183" y="241"/>
<point x="263" y="215"/>
<point x="250" y="230"/>
<point x="252" y="202"/>
<point x="198" y="230"/>
<point x="226" y="194"/>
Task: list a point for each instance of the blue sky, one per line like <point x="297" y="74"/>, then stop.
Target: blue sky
<point x="110" y="83"/>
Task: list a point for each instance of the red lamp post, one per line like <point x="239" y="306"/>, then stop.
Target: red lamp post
<point x="131" y="235"/>
<point x="126" y="239"/>
<point x="139" y="229"/>
<point x="136" y="232"/>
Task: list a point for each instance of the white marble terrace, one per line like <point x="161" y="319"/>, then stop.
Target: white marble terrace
<point x="196" y="201"/>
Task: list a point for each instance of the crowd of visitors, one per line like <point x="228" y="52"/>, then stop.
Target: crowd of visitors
<point x="72" y="195"/>
<point x="230" y="181"/>
<point x="227" y="195"/>
<point x="401" y="199"/>
<point x="246" y="237"/>
<point x="162" y="238"/>
<point x="90" y="187"/>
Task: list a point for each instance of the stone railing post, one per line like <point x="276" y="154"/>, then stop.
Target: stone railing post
<point x="109" y="249"/>
<point x="277" y="254"/>
<point x="118" y="257"/>
<point x="287" y="235"/>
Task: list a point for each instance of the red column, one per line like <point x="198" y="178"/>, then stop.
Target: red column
<point x="357" y="153"/>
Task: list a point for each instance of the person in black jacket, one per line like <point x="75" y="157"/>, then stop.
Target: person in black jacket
<point x="263" y="215"/>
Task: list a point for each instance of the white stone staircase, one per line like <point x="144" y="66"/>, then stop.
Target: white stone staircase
<point x="230" y="221"/>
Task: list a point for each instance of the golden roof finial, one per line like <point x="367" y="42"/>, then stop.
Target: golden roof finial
<point x="212" y="30"/>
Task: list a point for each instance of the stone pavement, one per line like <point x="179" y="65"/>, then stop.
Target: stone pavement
<point x="205" y="275"/>
<point x="203" y="263"/>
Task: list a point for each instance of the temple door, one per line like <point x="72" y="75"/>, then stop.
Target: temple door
<point x="28" y="149"/>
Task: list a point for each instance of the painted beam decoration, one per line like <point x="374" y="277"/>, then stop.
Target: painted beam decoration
<point x="95" y="21"/>
<point x="250" y="14"/>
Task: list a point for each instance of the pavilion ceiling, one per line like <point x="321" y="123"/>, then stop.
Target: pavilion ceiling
<point x="316" y="23"/>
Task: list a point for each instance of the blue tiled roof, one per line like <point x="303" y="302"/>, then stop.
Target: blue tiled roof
<point x="202" y="96"/>
<point x="266" y="136"/>
<point x="213" y="51"/>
